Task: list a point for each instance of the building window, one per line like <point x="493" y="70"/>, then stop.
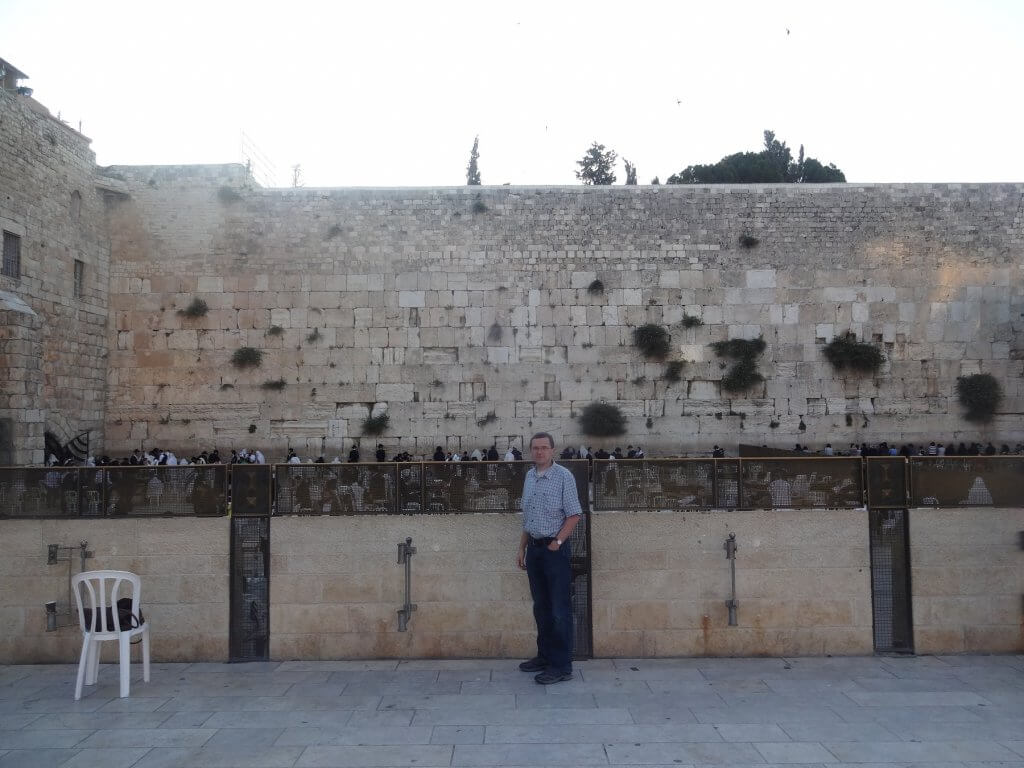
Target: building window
<point x="79" y="278"/>
<point x="12" y="255"/>
<point x="76" y="205"/>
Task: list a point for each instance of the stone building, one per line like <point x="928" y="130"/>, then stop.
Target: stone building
<point x="478" y="315"/>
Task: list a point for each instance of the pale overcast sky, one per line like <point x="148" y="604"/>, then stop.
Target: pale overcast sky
<point x="392" y="93"/>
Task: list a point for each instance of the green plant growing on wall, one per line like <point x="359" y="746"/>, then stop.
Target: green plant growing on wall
<point x="376" y="425"/>
<point x="846" y="352"/>
<point x="252" y="428"/>
<point x="748" y="241"/>
<point x="198" y="308"/>
<point x="652" y="340"/>
<point x="743" y="374"/>
<point x="596" y="287"/>
<point x="691" y="321"/>
<point x="494" y="333"/>
<point x="980" y="394"/>
<point x="479" y="206"/>
<point x="275" y="385"/>
<point x="311" y="338"/>
<point x="674" y="371"/>
<point x="602" y="420"/>
<point x="275" y="330"/>
<point x="228" y="194"/>
<point x="489" y="418"/>
<point x="246" y="357"/>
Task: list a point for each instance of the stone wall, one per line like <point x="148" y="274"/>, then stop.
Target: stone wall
<point x="335" y="588"/>
<point x="967" y="580"/>
<point x="49" y="198"/>
<point x="465" y="312"/>
<point x="183" y="564"/>
<point x="661" y="581"/>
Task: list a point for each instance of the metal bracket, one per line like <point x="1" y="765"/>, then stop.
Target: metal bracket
<point x="405" y="552"/>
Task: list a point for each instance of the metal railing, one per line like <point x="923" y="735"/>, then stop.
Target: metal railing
<point x="467" y="487"/>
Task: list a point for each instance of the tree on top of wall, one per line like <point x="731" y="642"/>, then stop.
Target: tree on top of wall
<point x="597" y="166"/>
<point x="473" y="170"/>
<point x="772" y="165"/>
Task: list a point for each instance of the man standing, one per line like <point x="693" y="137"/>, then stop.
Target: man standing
<point x="551" y="510"/>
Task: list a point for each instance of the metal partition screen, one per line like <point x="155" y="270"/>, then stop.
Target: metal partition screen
<point x="967" y="481"/>
<point x="801" y="483"/>
<point x="887" y="482"/>
<point x="157" y="491"/>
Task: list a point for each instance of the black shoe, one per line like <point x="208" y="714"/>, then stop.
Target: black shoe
<point x="536" y="664"/>
<point x="547" y="678"/>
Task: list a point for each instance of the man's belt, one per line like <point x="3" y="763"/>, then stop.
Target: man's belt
<point x="543" y="541"/>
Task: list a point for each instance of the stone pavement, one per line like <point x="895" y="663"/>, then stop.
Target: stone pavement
<point x="949" y="712"/>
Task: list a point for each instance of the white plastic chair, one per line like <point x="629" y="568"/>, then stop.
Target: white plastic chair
<point x="101" y="590"/>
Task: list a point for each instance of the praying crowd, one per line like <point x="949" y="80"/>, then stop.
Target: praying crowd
<point x="160" y="457"/>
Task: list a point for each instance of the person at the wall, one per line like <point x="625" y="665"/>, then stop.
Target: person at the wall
<point x="551" y="510"/>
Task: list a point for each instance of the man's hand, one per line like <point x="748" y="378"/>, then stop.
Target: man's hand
<point x="521" y="559"/>
<point x="553" y="546"/>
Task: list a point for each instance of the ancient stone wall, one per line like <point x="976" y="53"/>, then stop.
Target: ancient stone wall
<point x="55" y="365"/>
<point x="468" y="314"/>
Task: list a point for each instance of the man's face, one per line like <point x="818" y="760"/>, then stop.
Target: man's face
<point x="541" y="451"/>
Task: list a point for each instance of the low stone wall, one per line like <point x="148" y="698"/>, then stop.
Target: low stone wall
<point x="184" y="568"/>
<point x="802" y="583"/>
<point x="967" y="580"/>
<point x="660" y="581"/>
<point x="336" y="587"/>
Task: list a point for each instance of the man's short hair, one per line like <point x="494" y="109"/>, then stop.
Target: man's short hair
<point x="545" y="435"/>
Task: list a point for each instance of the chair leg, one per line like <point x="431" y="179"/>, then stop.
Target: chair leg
<point x="83" y="663"/>
<point x="92" y="672"/>
<point x="145" y="654"/>
<point x="124" y="659"/>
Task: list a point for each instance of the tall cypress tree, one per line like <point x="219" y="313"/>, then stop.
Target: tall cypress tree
<point x="472" y="171"/>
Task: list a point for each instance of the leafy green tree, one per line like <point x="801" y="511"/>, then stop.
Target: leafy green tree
<point x="472" y="170"/>
<point x="630" y="172"/>
<point x="597" y="166"/>
<point x="774" y="164"/>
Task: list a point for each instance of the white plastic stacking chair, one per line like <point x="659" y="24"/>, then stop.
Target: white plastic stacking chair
<point x="101" y="590"/>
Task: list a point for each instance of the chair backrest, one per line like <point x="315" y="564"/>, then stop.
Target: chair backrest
<point x="101" y="591"/>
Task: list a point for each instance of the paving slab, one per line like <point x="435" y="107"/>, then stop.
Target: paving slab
<point x="886" y="712"/>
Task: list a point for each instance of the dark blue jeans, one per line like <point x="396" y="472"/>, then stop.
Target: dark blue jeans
<point x="550" y="575"/>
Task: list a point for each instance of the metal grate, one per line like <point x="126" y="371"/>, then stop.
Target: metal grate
<point x="890" y="580"/>
<point x="582" y="599"/>
<point x="967" y="481"/>
<point x="249" y="632"/>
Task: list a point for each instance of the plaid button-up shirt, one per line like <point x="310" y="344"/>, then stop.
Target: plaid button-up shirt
<point x="548" y="499"/>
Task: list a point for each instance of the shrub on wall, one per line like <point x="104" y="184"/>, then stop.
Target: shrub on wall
<point x="198" y="308"/>
<point x="860" y="356"/>
<point x="652" y="340"/>
<point x="376" y="425"/>
<point x="691" y="321"/>
<point x="743" y="374"/>
<point x="276" y="385"/>
<point x="980" y="394"/>
<point x="674" y="371"/>
<point x="602" y="420"/>
<point x="595" y="288"/>
<point x="246" y="357"/>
